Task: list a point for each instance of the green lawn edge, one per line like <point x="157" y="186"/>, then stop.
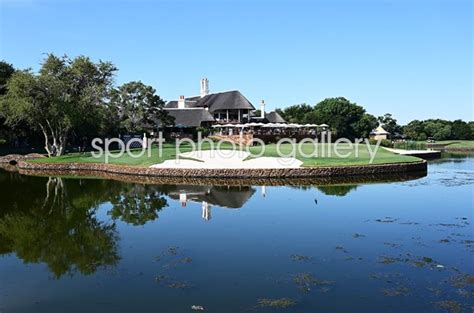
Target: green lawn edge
<point x="169" y="152"/>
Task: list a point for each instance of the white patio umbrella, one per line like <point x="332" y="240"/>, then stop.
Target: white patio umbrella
<point x="269" y="125"/>
<point x="216" y="126"/>
<point x="251" y="124"/>
<point x="324" y="125"/>
<point x="228" y="125"/>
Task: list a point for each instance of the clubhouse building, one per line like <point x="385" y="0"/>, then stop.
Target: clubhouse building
<point x="207" y="109"/>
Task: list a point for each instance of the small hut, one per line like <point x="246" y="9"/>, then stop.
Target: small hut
<point x="379" y="133"/>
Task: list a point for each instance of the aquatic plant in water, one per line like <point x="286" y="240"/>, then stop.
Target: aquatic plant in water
<point x="301" y="258"/>
<point x="305" y="281"/>
<point x="449" y="306"/>
<point x="281" y="303"/>
<point x="395" y="292"/>
<point x="462" y="281"/>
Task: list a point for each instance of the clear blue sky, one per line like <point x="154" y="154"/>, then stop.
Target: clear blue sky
<point x="407" y="57"/>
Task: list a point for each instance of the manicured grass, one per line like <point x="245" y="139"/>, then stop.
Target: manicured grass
<point x="322" y="157"/>
<point x="168" y="153"/>
<point x="457" y="143"/>
<point x="422" y="145"/>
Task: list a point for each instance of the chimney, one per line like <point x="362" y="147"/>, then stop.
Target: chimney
<point x="204" y="87"/>
<point x="181" y="102"/>
<point x="262" y="109"/>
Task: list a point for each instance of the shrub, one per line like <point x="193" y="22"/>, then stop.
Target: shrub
<point x="3" y="141"/>
<point x="410" y="145"/>
<point x="384" y="143"/>
<point x="214" y="138"/>
<point x="204" y="131"/>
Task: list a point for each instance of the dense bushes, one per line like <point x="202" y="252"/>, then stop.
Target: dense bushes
<point x="439" y="130"/>
<point x="345" y="119"/>
<point x="384" y="143"/>
<point x="2" y="142"/>
<point x="410" y="145"/>
<point x="203" y="130"/>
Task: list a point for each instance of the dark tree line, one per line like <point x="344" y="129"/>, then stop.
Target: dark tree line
<point x="349" y="120"/>
<point x="439" y="129"/>
<point x="71" y="100"/>
<point x="346" y="119"/>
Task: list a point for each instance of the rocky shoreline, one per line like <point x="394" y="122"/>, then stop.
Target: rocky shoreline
<point x="464" y="150"/>
<point x="13" y="159"/>
<point x="278" y="173"/>
<point x="220" y="181"/>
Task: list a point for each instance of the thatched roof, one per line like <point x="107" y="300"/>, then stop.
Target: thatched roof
<point x="274" y="117"/>
<point x="379" y="131"/>
<point x="190" y="102"/>
<point x="191" y="117"/>
<point x="228" y="100"/>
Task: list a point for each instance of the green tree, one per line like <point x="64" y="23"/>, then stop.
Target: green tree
<point x="365" y="125"/>
<point x="296" y="113"/>
<point x="438" y="129"/>
<point x="137" y="105"/>
<point x="389" y="123"/>
<point x="6" y="71"/>
<point x="66" y="95"/>
<point x="461" y="130"/>
<point x="471" y="126"/>
<point x="443" y="133"/>
<point x="341" y="115"/>
<point x="415" y="130"/>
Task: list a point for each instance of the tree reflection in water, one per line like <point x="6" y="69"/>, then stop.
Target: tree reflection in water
<point x="54" y="220"/>
<point x="331" y="190"/>
<point x="138" y="204"/>
<point x="58" y="225"/>
<point x="337" y="190"/>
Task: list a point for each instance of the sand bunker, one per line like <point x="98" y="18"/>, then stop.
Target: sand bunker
<point x="224" y="159"/>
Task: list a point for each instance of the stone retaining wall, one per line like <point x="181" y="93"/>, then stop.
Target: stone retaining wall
<point x="460" y="149"/>
<point x="222" y="181"/>
<point x="281" y="173"/>
<point x="426" y="156"/>
<point x="15" y="158"/>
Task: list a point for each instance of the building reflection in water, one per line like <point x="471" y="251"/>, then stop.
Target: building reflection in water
<point x="59" y="223"/>
<point x="235" y="197"/>
<point x="206" y="211"/>
<point x="230" y="197"/>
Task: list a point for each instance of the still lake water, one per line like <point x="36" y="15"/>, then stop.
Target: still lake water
<point x="96" y="245"/>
